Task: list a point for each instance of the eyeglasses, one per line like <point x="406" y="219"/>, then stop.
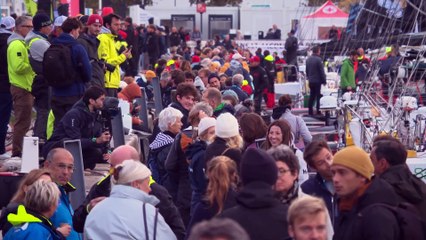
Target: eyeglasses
<point x="65" y="167"/>
<point x="282" y="171"/>
<point x="27" y="26"/>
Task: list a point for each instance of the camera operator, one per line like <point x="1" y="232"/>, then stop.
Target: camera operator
<point x="80" y="122"/>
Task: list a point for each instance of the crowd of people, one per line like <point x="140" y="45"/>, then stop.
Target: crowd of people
<point x="215" y="169"/>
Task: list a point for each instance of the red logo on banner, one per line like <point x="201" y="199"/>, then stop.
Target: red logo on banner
<point x="201" y="7"/>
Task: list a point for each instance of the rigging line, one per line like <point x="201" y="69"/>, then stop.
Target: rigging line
<point x="415" y="7"/>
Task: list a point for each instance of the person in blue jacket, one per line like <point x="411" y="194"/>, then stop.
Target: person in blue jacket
<point x="318" y="156"/>
<point x="197" y="164"/>
<point x="31" y="220"/>
<point x="64" y="98"/>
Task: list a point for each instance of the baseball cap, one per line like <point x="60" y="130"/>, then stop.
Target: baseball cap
<point x="59" y="20"/>
<point x="255" y="59"/>
<point x="7" y="22"/>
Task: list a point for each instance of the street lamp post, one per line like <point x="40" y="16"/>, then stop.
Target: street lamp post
<point x="201" y="8"/>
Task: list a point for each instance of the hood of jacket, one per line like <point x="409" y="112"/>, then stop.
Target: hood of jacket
<point x="13" y="37"/>
<point x="31" y="35"/>
<point x="195" y="148"/>
<point x="348" y="62"/>
<point x="404" y="184"/>
<point x="379" y="191"/>
<point x="65" y="38"/>
<point x="162" y="139"/>
<point x="279" y="111"/>
<point x="257" y="195"/>
<point x="128" y="192"/>
<point x="130" y="92"/>
<point x="105" y="30"/>
<point x="93" y="40"/>
<point x="22" y="216"/>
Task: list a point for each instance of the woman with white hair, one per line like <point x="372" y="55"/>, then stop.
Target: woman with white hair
<point x="31" y="220"/>
<point x="170" y="124"/>
<point x="129" y="212"/>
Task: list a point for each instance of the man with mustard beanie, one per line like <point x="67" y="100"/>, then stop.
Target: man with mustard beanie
<point x="361" y="198"/>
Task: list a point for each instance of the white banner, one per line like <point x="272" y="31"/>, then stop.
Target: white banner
<point x="270" y="45"/>
<point x="144" y="16"/>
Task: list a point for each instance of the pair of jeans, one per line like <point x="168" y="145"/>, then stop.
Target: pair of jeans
<point x="22" y="106"/>
<point x="5" y="111"/>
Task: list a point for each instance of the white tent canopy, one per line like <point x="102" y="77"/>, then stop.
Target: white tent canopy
<point x="314" y="27"/>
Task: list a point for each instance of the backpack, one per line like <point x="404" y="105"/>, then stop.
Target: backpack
<point x="411" y="226"/>
<point x="158" y="171"/>
<point x="58" y="67"/>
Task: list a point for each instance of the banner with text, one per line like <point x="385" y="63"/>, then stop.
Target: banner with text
<point x="270" y="45"/>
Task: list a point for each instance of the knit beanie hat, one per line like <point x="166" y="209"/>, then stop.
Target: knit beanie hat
<point x="150" y="74"/>
<point x="95" y="18"/>
<point x="356" y="159"/>
<point x="206" y="123"/>
<point x="257" y="165"/>
<point x="129" y="171"/>
<point x="226" y="126"/>
<point x="83" y="19"/>
<point x="41" y="20"/>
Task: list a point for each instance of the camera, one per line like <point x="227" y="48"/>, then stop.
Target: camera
<point x="104" y="117"/>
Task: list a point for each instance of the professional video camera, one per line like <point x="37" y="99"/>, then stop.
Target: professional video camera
<point x="105" y="115"/>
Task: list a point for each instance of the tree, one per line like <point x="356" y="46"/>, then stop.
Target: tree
<point x="345" y="5"/>
<point x="316" y="3"/>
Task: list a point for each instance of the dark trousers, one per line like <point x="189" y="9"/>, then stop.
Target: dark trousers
<point x="315" y="96"/>
<point x="61" y="105"/>
<point x="111" y="92"/>
<point x="91" y="155"/>
<point x="42" y="107"/>
<point x="22" y="106"/>
<point x="5" y="111"/>
<point x="257" y="101"/>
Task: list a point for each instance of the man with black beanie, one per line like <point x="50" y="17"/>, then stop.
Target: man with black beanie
<point x="257" y="211"/>
<point x="37" y="42"/>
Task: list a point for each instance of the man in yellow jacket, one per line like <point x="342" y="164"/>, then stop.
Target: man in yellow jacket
<point x="21" y="78"/>
<point x="107" y="52"/>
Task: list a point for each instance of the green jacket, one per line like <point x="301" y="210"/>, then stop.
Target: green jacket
<point x="108" y="52"/>
<point x="347" y="74"/>
<point x="20" y="71"/>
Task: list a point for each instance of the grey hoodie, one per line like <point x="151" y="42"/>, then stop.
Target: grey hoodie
<point x="38" y="47"/>
<point x="13" y="37"/>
